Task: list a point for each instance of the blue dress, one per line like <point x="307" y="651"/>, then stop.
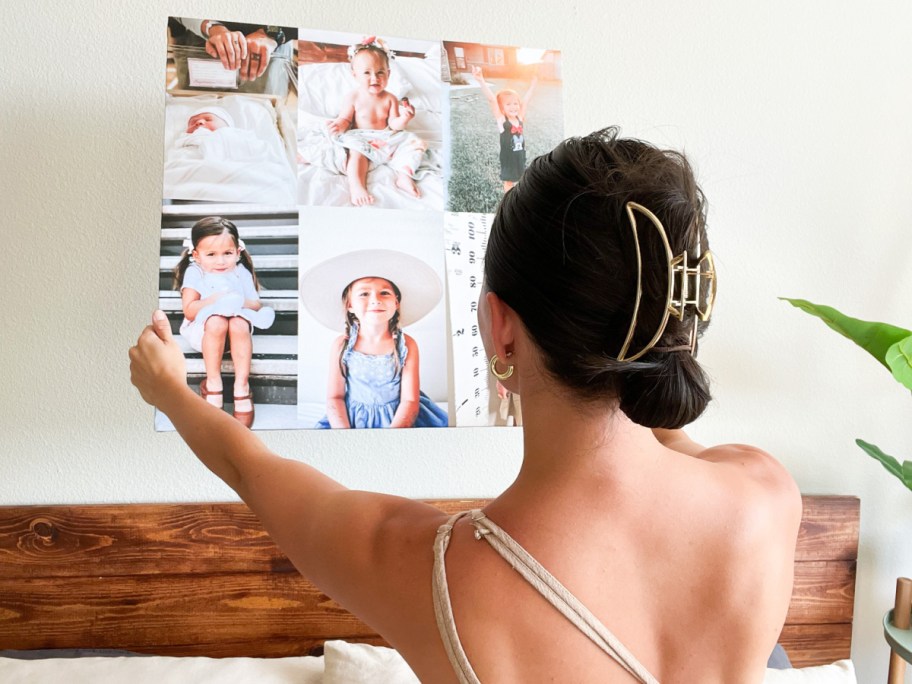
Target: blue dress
<point x="372" y="389"/>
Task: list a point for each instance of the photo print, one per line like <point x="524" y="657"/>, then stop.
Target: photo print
<point x="372" y="333"/>
<point x="327" y="198"/>
<point x="370" y="112"/>
<point x="230" y="137"/>
<point x="505" y="110"/>
<point x="213" y="54"/>
<point x="228" y="284"/>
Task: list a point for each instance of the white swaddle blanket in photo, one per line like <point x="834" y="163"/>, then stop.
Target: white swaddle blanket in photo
<point x="225" y="144"/>
<point x="245" y="162"/>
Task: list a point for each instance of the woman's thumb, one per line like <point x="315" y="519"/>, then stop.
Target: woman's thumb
<point x="161" y="325"/>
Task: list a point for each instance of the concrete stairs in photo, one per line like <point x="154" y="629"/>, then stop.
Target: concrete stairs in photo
<point x="270" y="235"/>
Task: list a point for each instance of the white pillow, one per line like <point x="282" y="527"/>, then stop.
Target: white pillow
<point x="840" y="672"/>
<point x="159" y="669"/>
<point x="346" y="663"/>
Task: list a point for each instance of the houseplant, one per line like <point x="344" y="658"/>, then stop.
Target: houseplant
<point x="890" y="345"/>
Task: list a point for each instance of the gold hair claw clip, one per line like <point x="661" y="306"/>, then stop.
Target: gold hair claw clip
<point x="684" y="286"/>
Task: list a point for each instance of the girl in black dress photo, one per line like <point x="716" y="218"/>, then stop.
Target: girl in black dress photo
<point x="522" y="89"/>
<point x="509" y="112"/>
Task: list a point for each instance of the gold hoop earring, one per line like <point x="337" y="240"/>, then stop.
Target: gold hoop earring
<point x="500" y="376"/>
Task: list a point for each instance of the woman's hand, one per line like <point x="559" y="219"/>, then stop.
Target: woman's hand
<point x="157" y="362"/>
<point x="477" y="73"/>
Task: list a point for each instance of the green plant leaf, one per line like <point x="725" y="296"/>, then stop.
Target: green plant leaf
<point x="907" y="473"/>
<point x="902" y="472"/>
<point x="875" y="338"/>
<point x="899" y="361"/>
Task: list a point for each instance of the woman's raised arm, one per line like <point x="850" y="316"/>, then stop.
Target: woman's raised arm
<point x="344" y="541"/>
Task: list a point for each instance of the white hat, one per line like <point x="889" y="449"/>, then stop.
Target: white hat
<point x="322" y="286"/>
<point x="220" y="112"/>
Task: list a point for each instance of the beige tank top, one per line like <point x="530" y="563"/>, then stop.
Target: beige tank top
<point x="540" y="579"/>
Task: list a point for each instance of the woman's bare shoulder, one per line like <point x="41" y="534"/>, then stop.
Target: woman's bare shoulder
<point x="760" y="495"/>
<point x="753" y="540"/>
<point x="746" y="474"/>
<point x="757" y="468"/>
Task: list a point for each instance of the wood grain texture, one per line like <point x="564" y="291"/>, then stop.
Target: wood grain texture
<point x="126" y="539"/>
<point x="249" y="610"/>
<point x="205" y="579"/>
<point x="808" y="645"/>
<point x="824" y="591"/>
<point x="829" y="528"/>
<point x="68" y="541"/>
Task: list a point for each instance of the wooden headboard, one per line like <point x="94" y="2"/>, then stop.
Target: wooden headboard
<point x="205" y="579"/>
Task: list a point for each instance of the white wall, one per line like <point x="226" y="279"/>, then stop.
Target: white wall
<point x="795" y="115"/>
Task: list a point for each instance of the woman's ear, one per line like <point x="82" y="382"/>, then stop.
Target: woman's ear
<point x="503" y="325"/>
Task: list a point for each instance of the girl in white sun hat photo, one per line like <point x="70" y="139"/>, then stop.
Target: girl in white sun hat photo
<point x="371" y="295"/>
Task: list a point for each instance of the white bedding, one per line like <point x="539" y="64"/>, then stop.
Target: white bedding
<point x="320" y="91"/>
<point x="259" y="170"/>
<point x="342" y="663"/>
<point x="161" y="669"/>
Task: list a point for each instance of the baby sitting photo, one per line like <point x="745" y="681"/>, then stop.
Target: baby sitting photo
<point x="369" y="123"/>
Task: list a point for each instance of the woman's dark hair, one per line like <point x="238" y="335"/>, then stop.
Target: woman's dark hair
<point x="207" y="227"/>
<point x="561" y="254"/>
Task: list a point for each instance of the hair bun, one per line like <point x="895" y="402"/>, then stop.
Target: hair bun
<point x="562" y="255"/>
<point x="670" y="392"/>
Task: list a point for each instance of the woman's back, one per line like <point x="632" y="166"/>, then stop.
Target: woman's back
<point x="686" y="561"/>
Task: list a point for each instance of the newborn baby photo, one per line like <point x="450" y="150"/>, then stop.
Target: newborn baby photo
<point x="228" y="148"/>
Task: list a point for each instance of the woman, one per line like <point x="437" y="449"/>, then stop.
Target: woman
<point x="665" y="542"/>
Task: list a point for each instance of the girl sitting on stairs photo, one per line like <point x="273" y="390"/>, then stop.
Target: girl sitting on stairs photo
<point x="218" y="287"/>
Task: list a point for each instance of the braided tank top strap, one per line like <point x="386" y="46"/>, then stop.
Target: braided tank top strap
<point x="443" y="609"/>
<point x="558" y="595"/>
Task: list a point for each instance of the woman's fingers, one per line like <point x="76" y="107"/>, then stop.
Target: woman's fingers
<point x="161" y="325"/>
<point x="156" y="361"/>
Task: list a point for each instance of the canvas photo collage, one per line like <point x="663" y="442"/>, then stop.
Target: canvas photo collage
<point x="327" y="199"/>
